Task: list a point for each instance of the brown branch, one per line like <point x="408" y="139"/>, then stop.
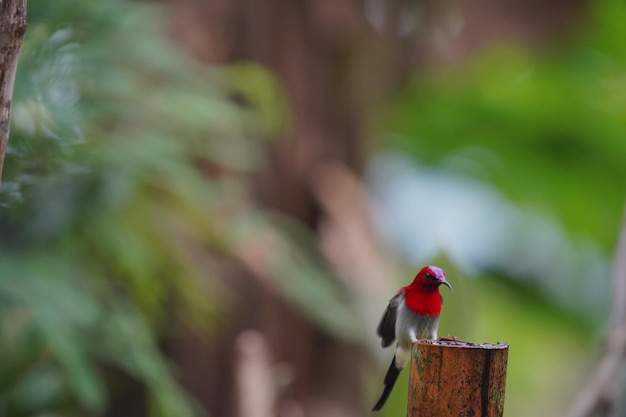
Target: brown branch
<point x="348" y="237"/>
<point x="350" y="242"/>
<point x="254" y="376"/>
<point x="12" y="30"/>
<point x="594" y="394"/>
<point x="618" y="313"/>
<point x="603" y="388"/>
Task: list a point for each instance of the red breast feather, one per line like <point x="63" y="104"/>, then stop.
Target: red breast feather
<point x="423" y="301"/>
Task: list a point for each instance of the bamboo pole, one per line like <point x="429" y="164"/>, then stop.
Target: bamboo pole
<point x="452" y="378"/>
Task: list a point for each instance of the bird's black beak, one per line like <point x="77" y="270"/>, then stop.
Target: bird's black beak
<point x="447" y="284"/>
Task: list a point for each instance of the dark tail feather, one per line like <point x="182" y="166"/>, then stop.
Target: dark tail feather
<point x="390" y="380"/>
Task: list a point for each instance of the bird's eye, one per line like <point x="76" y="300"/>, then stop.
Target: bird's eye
<point x="430" y="277"/>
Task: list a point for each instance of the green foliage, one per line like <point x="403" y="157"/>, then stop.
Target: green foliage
<point x="56" y="332"/>
<point x="99" y="207"/>
<point x="546" y="129"/>
<point x="126" y="170"/>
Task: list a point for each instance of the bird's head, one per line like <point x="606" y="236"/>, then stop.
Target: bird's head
<point x="430" y="277"/>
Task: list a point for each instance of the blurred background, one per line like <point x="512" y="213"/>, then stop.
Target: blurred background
<point x="207" y="204"/>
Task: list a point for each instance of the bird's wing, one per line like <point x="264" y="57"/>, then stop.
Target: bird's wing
<point x="387" y="326"/>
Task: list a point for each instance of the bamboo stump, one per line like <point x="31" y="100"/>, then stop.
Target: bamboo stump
<point x="453" y="378"/>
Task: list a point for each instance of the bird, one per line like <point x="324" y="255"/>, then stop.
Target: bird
<point x="412" y="315"/>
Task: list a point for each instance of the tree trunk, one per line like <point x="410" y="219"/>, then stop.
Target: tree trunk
<point x="334" y="68"/>
<point x="12" y="30"/>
